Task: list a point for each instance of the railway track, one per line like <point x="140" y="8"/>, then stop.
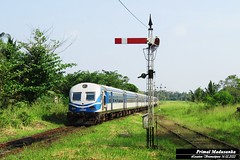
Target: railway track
<point x="49" y="136"/>
<point x="196" y="139"/>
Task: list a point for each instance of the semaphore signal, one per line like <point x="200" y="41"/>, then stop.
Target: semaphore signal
<point x="153" y="43"/>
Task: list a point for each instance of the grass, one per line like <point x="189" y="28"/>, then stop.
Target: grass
<point x="121" y="139"/>
<point x="24" y="119"/>
<point x="220" y="122"/>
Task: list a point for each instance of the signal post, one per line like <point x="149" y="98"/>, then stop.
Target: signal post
<point x="153" y="43"/>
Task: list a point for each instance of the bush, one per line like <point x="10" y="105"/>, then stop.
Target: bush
<point x="15" y="119"/>
<point x="210" y="101"/>
<point x="21" y="104"/>
<point x="4" y="122"/>
<point x="224" y="98"/>
<point x="45" y="108"/>
<point x="25" y="118"/>
<point x="15" y="123"/>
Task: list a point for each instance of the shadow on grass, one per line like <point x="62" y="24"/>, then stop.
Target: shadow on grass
<point x="57" y="118"/>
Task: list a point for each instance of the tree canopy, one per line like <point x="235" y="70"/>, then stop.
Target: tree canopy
<point x="225" y="92"/>
<point x="29" y="69"/>
<point x="108" y="78"/>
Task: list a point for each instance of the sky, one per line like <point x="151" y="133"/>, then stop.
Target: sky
<point x="199" y="38"/>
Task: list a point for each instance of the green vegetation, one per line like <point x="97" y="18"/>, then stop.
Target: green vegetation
<point x="117" y="139"/>
<point x="109" y="78"/>
<point x="225" y="92"/>
<point x="29" y="70"/>
<point x="164" y="95"/>
<point x="25" y="119"/>
<point x="220" y="122"/>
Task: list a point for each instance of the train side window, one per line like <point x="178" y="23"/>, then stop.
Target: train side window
<point x="90" y="96"/>
<point x="104" y="100"/>
<point x="77" y="96"/>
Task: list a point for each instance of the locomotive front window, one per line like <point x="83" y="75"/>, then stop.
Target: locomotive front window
<point x="90" y="96"/>
<point x="77" y="96"/>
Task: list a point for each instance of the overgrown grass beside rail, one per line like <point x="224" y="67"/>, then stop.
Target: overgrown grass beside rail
<point x="24" y="119"/>
<point x="220" y="122"/>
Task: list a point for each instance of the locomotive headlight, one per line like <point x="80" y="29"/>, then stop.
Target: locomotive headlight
<point x="84" y="86"/>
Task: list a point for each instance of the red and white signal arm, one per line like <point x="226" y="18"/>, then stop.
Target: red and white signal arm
<point x="153" y="41"/>
<point x="130" y="40"/>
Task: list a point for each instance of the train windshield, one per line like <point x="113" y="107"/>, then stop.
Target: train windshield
<point x="90" y="96"/>
<point x="77" y="96"/>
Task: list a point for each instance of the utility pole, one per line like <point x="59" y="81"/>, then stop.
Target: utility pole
<point x="153" y="43"/>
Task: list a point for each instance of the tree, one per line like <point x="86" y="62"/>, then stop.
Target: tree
<point x="44" y="67"/>
<point x="223" y="97"/>
<point x="11" y="68"/>
<point x="108" y="78"/>
<point x="232" y="85"/>
<point x="197" y="95"/>
<point x="130" y="87"/>
<point x="226" y="92"/>
<point x="114" y="79"/>
<point x="212" y="88"/>
<point x="231" y="81"/>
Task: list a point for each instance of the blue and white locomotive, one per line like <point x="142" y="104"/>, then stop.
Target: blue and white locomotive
<point x="91" y="103"/>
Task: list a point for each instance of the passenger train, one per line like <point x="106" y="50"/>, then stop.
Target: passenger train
<point x="91" y="103"/>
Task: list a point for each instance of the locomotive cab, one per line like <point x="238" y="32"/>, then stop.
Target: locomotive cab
<point x="84" y="98"/>
<point x="84" y="102"/>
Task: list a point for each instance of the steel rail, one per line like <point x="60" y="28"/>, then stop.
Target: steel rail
<point x="178" y="135"/>
<point x="205" y="139"/>
<point x="209" y="137"/>
<point x="15" y="145"/>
